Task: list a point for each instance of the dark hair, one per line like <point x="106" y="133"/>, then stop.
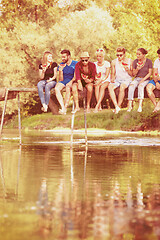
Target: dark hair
<point x="158" y="51"/>
<point x="121" y="49"/>
<point x="143" y="51"/>
<point x="66" y="51"/>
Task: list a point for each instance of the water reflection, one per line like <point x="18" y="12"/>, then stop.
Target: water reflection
<point x="100" y="192"/>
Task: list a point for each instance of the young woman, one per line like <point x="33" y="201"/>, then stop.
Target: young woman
<point x="47" y="74"/>
<point x="102" y="78"/>
<point x="142" y="70"/>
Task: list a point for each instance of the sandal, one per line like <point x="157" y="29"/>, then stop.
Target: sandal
<point x="62" y="112"/>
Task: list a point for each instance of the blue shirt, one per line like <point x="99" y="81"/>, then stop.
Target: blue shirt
<point x="68" y="72"/>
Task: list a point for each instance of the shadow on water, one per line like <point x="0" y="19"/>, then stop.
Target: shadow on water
<point x="103" y="191"/>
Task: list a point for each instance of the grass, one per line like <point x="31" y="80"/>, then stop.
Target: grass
<point x="106" y="119"/>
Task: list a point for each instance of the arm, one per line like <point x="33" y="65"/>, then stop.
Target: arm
<point x="147" y="76"/>
<point x="113" y="71"/>
<point x="130" y="70"/>
<point x="55" y="75"/>
<point x="42" y="71"/>
<point x="93" y="73"/>
<point x="78" y="77"/>
<point x="156" y="78"/>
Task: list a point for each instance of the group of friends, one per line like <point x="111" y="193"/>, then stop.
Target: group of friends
<point x="74" y="76"/>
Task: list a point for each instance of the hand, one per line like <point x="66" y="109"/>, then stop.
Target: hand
<point x="158" y="85"/>
<point x="88" y="80"/>
<point x="141" y="81"/>
<point x="49" y="80"/>
<point x="112" y="80"/>
<point x="61" y="66"/>
<point x="80" y="87"/>
<point x="69" y="84"/>
<point x="44" y="67"/>
<point x="98" y="81"/>
<point x="126" y="69"/>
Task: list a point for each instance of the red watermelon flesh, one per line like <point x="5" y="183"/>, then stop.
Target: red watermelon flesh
<point x="140" y="63"/>
<point x="84" y="76"/>
<point x="124" y="64"/>
<point x="99" y="75"/>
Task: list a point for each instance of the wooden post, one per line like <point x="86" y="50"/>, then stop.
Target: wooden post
<point x="19" y="120"/>
<point x="72" y="124"/>
<point x="4" y="110"/>
<point x="85" y="118"/>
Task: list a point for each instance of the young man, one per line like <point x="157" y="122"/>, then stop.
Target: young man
<point x="85" y="73"/>
<point x="121" y="76"/>
<point x="155" y="83"/>
<point x="66" y="74"/>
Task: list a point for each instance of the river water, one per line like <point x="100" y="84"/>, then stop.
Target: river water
<point x="50" y="190"/>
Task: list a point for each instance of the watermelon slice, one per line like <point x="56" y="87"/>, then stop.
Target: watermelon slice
<point x="84" y="76"/>
<point x="98" y="75"/>
<point x="124" y="64"/>
<point x="140" y="64"/>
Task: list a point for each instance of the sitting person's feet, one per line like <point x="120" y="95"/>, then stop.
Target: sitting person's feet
<point x="44" y="108"/>
<point x="88" y="110"/>
<point x="129" y="109"/>
<point x="139" y="109"/>
<point x="117" y="109"/>
<point x="157" y="107"/>
<point x="62" y="111"/>
<point x="75" y="110"/>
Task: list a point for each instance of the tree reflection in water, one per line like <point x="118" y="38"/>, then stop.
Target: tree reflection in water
<point x="67" y="216"/>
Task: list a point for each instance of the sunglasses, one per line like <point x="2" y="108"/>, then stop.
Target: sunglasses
<point x="119" y="55"/>
<point x="100" y="50"/>
<point x="84" y="60"/>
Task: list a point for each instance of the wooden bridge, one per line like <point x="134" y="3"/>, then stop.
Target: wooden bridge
<point x="12" y="93"/>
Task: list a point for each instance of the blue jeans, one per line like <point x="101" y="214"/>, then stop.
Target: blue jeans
<point x="47" y="86"/>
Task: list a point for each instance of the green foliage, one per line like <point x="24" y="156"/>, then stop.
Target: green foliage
<point x="28" y="28"/>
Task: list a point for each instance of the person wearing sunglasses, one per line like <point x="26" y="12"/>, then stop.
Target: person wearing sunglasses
<point x="142" y="70"/>
<point x="102" y="78"/>
<point x="85" y="73"/>
<point x="121" y="76"/>
<point x="155" y="83"/>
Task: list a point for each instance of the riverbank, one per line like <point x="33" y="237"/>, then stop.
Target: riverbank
<point x="105" y="119"/>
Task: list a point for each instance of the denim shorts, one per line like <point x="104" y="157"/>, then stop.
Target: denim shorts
<point x="153" y="82"/>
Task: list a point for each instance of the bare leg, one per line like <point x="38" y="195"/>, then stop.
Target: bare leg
<point x="121" y="94"/>
<point x="67" y="96"/>
<point x="157" y="108"/>
<point x="111" y="88"/>
<point x="130" y="102"/>
<point x="101" y="95"/>
<point x="140" y="105"/>
<point x="97" y="91"/>
<point x="89" y="88"/>
<point x="150" y="87"/>
<point x="58" y="90"/>
<point x="75" y="96"/>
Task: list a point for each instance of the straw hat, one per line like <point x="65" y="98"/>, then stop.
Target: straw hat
<point x="84" y="55"/>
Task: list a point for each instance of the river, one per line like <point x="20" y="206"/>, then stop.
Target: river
<point x="109" y="190"/>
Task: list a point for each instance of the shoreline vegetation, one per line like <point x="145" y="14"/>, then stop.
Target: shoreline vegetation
<point x="104" y="121"/>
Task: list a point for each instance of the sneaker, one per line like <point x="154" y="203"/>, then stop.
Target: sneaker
<point x="117" y="109"/>
<point x="139" y="109"/>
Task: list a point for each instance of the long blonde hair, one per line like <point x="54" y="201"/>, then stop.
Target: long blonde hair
<point x="45" y="56"/>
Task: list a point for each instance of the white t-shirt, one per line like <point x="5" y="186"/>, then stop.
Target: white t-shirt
<point x="103" y="70"/>
<point x="157" y="65"/>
